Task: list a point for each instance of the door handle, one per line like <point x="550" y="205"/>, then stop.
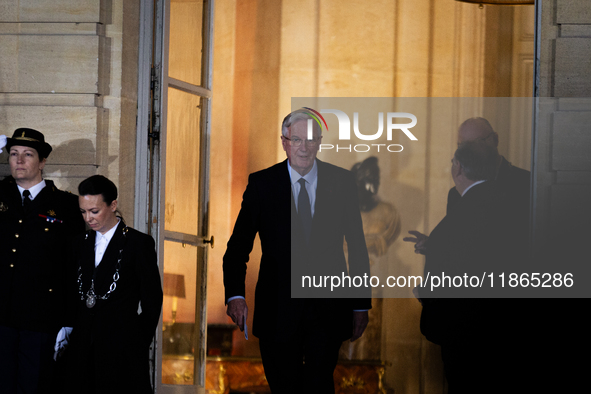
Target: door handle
<point x="210" y="241"/>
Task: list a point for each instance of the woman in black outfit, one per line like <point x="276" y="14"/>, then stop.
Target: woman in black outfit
<point x="119" y="298"/>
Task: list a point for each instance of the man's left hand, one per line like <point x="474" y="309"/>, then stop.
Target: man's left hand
<point x="360" y="320"/>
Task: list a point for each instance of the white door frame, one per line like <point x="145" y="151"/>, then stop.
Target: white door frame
<point x="153" y="83"/>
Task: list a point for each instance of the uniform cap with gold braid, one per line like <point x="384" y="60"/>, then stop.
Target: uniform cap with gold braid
<point x="31" y="138"/>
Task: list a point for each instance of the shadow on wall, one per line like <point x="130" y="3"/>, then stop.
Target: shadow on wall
<point x="67" y="165"/>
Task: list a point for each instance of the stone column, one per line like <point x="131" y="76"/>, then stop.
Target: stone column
<point x="562" y="164"/>
<point x="61" y="65"/>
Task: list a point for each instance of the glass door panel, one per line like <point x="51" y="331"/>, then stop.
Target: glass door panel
<point x="183" y="54"/>
<point x="182" y="162"/>
<point x="178" y="313"/>
<point x="186" y="31"/>
<point x="181" y="218"/>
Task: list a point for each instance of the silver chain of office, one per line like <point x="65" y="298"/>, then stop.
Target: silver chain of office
<point x="91" y="296"/>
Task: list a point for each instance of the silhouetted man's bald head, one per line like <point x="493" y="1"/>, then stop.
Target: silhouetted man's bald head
<point x="477" y="129"/>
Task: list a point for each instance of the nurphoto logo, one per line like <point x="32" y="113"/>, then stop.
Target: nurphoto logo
<point x="344" y="131"/>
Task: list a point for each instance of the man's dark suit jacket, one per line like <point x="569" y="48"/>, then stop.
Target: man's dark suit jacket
<point x="111" y="341"/>
<point x="510" y="179"/>
<point x="268" y="208"/>
<point x="471" y="239"/>
<point x="477" y="331"/>
<point x="513" y="191"/>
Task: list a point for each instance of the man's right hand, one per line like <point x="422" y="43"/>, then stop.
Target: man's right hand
<point x="238" y="311"/>
<point x="420" y="241"/>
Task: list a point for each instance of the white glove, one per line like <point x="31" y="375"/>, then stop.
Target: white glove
<point x="61" y="341"/>
<point x="2" y="142"/>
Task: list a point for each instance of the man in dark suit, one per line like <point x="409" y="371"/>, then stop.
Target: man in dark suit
<point x="469" y="240"/>
<point x="36" y="221"/>
<point x="302" y="209"/>
<point x="508" y="177"/>
<point x="512" y="181"/>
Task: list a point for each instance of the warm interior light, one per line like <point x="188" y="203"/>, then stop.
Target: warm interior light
<point x="174" y="286"/>
<point x="499" y="2"/>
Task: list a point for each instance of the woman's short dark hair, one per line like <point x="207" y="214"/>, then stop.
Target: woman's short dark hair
<point x="98" y="184"/>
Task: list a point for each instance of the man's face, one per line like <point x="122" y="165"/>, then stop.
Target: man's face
<point x="25" y="165"/>
<point x="301" y="158"/>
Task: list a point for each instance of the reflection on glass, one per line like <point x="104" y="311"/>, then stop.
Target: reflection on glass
<point x="186" y="41"/>
<point x="182" y="162"/>
<point x="178" y="313"/>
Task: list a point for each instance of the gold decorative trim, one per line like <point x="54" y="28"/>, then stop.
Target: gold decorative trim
<point x="221" y="381"/>
<point x="381" y="388"/>
<point x="352" y="381"/>
<point x="27" y="139"/>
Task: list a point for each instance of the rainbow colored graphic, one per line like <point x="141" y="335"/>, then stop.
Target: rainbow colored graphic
<point x="314" y="114"/>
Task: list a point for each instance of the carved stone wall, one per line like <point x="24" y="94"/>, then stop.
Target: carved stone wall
<point x="562" y="173"/>
<point x="61" y="72"/>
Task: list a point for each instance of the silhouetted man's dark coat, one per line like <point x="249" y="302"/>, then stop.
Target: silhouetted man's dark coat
<point x="473" y="328"/>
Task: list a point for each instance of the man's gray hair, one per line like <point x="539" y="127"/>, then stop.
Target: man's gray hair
<point x="295" y="117"/>
<point x="478" y="160"/>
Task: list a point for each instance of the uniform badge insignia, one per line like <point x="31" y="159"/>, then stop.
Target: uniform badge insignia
<point x="3" y="208"/>
<point x="51" y="218"/>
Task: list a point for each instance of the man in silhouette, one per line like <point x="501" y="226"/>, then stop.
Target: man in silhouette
<point x="512" y="181"/>
<point x="469" y="241"/>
